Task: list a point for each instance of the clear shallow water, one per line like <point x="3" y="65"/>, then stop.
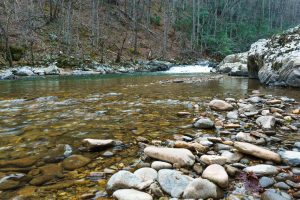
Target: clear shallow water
<point x="38" y="114"/>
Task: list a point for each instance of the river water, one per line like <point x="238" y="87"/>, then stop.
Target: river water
<point x="39" y="114"/>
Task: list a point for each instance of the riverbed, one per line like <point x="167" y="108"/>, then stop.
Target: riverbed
<point x="40" y="115"/>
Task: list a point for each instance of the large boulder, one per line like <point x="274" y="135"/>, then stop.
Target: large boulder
<point x="24" y="71"/>
<point x="183" y="157"/>
<point x="234" y="65"/>
<point x="276" y="60"/>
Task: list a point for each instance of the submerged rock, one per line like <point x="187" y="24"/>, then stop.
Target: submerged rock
<point x="257" y="151"/>
<point x="131" y="194"/>
<point x="173" y="182"/>
<point x="75" y="162"/>
<point x="21" y="162"/>
<point x="202" y="189"/>
<point x="181" y="156"/>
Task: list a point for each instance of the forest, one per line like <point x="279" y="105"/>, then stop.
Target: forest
<point x="34" y="32"/>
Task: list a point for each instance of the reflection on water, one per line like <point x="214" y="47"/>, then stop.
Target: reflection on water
<point x="37" y="115"/>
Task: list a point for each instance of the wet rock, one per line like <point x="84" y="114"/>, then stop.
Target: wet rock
<point x="48" y="173"/>
<point x="11" y="181"/>
<point x="21" y="162"/>
<point x="158" y="165"/>
<point x="202" y="189"/>
<point x="257" y="151"/>
<point x="282" y="185"/>
<point x="262" y="170"/>
<point x="217" y="174"/>
<point x="123" y="180"/>
<point x="213" y="159"/>
<point x="266" y="182"/>
<point x="291" y="158"/>
<point x="130" y="194"/>
<point x="183" y="157"/>
<point x="173" y="182"/>
<point x="146" y="174"/>
<point x="266" y="122"/>
<point x="204" y="123"/>
<point x="59" y="153"/>
<point x="95" y="144"/>
<point x="220" y="105"/>
<point x="274" y="195"/>
<point x="75" y="162"/>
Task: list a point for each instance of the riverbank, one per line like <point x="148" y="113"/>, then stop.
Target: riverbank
<point x="247" y="158"/>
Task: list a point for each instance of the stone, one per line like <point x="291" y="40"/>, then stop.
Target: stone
<point x="51" y="70"/>
<point x="213" y="159"/>
<point x="273" y="195"/>
<point x="204" y="123"/>
<point x="202" y="189"/>
<point x="262" y="170"/>
<point x="108" y="154"/>
<point x="282" y="185"/>
<point x="291" y="158"/>
<point x="232" y="115"/>
<point x="130" y="194"/>
<point x="276" y="61"/>
<point x="183" y="157"/>
<point x="232" y="171"/>
<point x="234" y="65"/>
<point x="146" y="174"/>
<point x="232" y="157"/>
<point x="266" y="122"/>
<point x="197" y="167"/>
<point x="283" y="176"/>
<point x="24" y="71"/>
<point x="257" y="151"/>
<point x="155" y="190"/>
<point x="95" y="144"/>
<point x="158" y="165"/>
<point x="192" y="146"/>
<point x="247" y="137"/>
<point x="123" y="180"/>
<point x="296" y="171"/>
<point x="11" y="181"/>
<point x="21" y="162"/>
<point x="75" y="162"/>
<point x="217" y="174"/>
<point x="266" y="182"/>
<point x="220" y="105"/>
<point x="173" y="182"/>
<point x="58" y="153"/>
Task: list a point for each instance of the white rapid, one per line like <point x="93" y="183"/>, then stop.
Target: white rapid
<point x="200" y="67"/>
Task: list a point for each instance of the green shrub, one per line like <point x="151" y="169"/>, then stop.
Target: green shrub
<point x="155" y="20"/>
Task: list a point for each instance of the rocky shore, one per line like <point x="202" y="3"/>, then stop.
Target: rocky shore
<point x="274" y="61"/>
<point x="94" y="68"/>
<point x="247" y="158"/>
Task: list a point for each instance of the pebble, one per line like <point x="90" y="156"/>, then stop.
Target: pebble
<point x="158" y="165"/>
<point x="266" y="182"/>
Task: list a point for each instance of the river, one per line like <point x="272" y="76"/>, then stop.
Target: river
<point x="39" y="114"/>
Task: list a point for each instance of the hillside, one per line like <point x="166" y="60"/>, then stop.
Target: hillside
<point x="73" y="33"/>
